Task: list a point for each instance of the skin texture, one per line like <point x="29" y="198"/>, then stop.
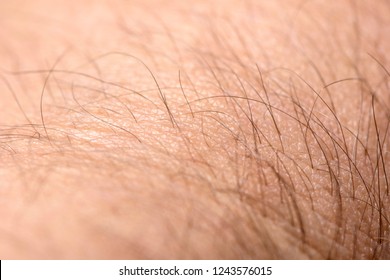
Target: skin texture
<point x="221" y="130"/>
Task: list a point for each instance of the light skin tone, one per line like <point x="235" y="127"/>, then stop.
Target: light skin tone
<point x="216" y="130"/>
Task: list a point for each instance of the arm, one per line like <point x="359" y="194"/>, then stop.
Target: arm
<point x="226" y="131"/>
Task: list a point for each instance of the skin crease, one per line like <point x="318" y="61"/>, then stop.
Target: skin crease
<point x="224" y="130"/>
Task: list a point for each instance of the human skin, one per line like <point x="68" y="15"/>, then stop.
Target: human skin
<point x="216" y="130"/>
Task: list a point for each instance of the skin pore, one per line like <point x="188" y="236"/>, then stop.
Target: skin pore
<point x="216" y="130"/>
